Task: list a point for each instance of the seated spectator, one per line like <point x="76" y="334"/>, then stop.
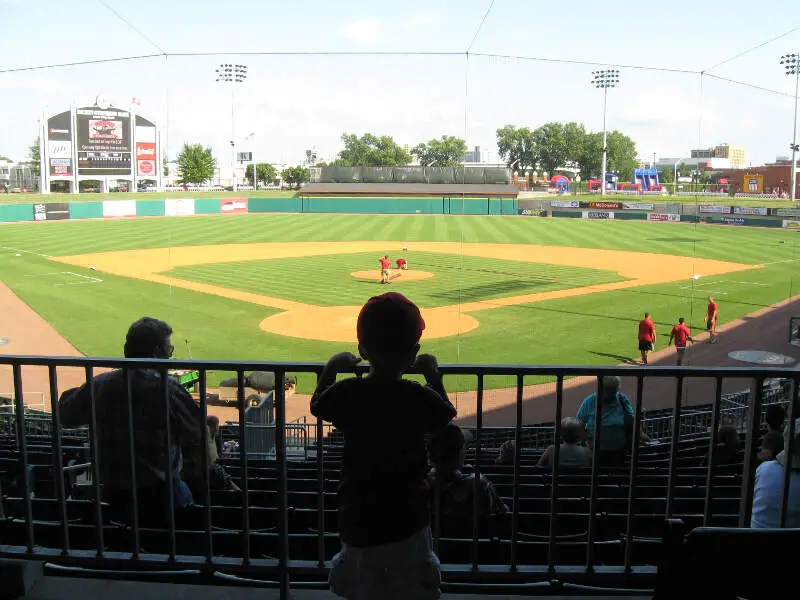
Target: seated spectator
<point x="383" y="499"/>
<point x="726" y="451"/>
<point x="456" y="490"/>
<point x="218" y="478"/>
<point x="505" y="456"/>
<point x="768" y="492"/>
<point x="570" y="454"/>
<point x="774" y="417"/>
<point x="154" y="452"/>
<point x="616" y="409"/>
<point x="771" y="446"/>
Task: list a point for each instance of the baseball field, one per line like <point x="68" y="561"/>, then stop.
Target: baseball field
<point x="492" y="289"/>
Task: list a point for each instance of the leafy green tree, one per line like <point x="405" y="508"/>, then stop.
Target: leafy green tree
<point x="550" y="145"/>
<point x="5" y="158"/>
<point x="265" y="171"/>
<point x="516" y="147"/>
<point x="371" y="151"/>
<point x="667" y="174"/>
<point x="621" y="154"/>
<point x="448" y="151"/>
<point x="294" y="176"/>
<point x="196" y="164"/>
<point x="35" y="157"/>
<point x="165" y="166"/>
<point x="589" y="161"/>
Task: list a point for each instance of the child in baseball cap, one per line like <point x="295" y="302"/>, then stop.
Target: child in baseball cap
<point x="384" y="496"/>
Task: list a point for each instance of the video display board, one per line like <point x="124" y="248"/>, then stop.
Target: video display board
<point x="104" y="141"/>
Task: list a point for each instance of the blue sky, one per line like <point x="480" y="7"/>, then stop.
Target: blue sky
<point x="292" y="103"/>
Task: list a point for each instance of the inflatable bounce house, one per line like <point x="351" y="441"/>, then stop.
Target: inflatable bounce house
<point x="559" y="184"/>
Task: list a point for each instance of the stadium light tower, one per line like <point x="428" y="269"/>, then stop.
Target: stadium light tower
<point x="604" y="79"/>
<point x="233" y="74"/>
<point x="791" y="63"/>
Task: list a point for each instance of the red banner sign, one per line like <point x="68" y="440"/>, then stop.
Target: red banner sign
<point x="145" y="151"/>
<point x="605" y="205"/>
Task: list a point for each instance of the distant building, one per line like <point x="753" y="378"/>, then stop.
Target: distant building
<point x="473" y="156"/>
<point x="5" y="172"/>
<point x="722" y="156"/>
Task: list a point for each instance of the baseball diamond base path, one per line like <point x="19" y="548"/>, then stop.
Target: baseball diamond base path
<point x="30" y="334"/>
<point x="337" y="323"/>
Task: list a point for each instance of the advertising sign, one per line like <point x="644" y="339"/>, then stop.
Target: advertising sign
<point x="146" y="168"/>
<point x="596" y="214"/>
<point x="119" y="208"/>
<point x="753" y="183"/>
<point x="233" y="205"/>
<point x="605" y="205"/>
<point x="638" y="206"/>
<point x="788" y="212"/>
<point x="59" y="127"/>
<point x="104" y="144"/>
<point x="145" y="151"/>
<point x="791" y="224"/>
<point x="733" y="220"/>
<point x="564" y="204"/>
<point x="178" y="207"/>
<point x="59" y="149"/>
<point x="61" y="167"/>
<point x="663" y="217"/>
<point x="750" y="210"/>
<point x="55" y="211"/>
<point x="714" y="208"/>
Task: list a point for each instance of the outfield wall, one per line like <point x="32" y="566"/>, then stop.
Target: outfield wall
<point x="642" y="211"/>
<point x="185" y="206"/>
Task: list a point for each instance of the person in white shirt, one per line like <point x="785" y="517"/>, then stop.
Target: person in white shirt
<point x="769" y="485"/>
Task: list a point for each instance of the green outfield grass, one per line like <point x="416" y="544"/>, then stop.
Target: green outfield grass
<point x="326" y="280"/>
<point x="91" y="197"/>
<point x="592" y="329"/>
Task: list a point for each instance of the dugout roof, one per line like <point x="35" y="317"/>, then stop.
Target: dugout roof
<point x="451" y="190"/>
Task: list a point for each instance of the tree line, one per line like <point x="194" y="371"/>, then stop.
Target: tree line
<point x="547" y="148"/>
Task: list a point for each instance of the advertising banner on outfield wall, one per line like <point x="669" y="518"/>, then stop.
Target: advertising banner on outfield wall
<point x="56" y="211"/>
<point x="119" y="208"/>
<point x="565" y="204"/>
<point x="788" y="212"/>
<point x="714" y="208"/>
<point x="605" y="205"/>
<point x="791" y="224"/>
<point x="233" y="205"/>
<point x="663" y="217"/>
<point x="733" y="220"/>
<point x="178" y="207"/>
<point x="597" y="214"/>
<point x="750" y="210"/>
<point x="638" y="205"/>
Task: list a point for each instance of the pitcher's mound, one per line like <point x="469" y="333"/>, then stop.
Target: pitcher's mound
<point x="375" y="275"/>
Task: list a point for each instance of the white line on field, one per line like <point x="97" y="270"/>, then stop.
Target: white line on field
<point x="25" y="251"/>
<point x="95" y="279"/>
<point x="777" y="262"/>
<point x="90" y="279"/>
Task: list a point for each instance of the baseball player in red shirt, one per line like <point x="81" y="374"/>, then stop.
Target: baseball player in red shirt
<point x="647" y="336"/>
<point x="711" y="321"/>
<point x="402" y="263"/>
<point x="680" y="333"/>
<point x="385" y="266"/>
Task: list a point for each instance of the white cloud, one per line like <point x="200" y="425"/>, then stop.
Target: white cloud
<point x="363" y="31"/>
<point x="424" y="19"/>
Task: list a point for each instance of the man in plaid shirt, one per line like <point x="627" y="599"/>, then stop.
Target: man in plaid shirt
<point x="147" y="338"/>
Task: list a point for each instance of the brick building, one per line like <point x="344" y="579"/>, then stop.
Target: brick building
<point x="776" y="175"/>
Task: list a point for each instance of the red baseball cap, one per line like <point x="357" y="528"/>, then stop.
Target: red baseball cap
<point x="389" y="321"/>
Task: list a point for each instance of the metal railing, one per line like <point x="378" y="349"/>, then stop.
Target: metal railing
<point x="263" y="556"/>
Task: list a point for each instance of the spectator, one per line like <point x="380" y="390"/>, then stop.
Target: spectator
<point x="616" y="410"/>
<point x="774" y="416"/>
<point x="455" y="489"/>
<point x="726" y="452"/>
<point x="768" y="492"/>
<point x="570" y="454"/>
<point x="505" y="456"/>
<point x="218" y="478"/>
<point x="384" y="494"/>
<point x="154" y="452"/>
<point x="771" y="446"/>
